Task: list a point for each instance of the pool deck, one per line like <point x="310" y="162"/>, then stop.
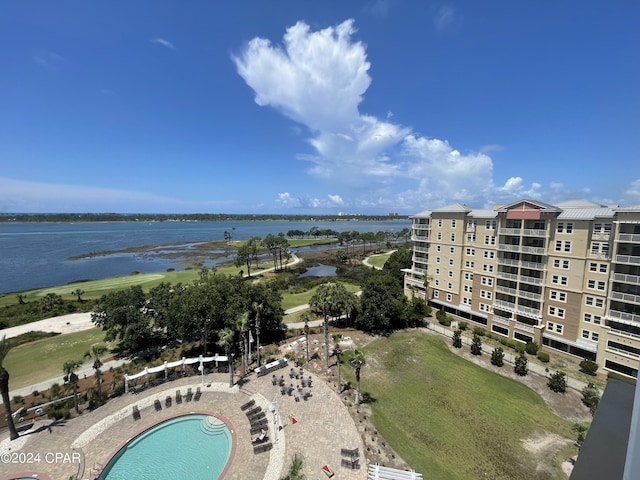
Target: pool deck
<point x="323" y="426"/>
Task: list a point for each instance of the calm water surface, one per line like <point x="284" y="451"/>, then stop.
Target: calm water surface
<point x="35" y="255"/>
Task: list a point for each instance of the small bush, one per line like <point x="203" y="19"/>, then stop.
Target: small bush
<point x="463" y="326"/>
<point x="543" y="357"/>
<point x="441" y="315"/>
<point x="558" y="382"/>
<point x="18" y="399"/>
<point x="497" y="357"/>
<point x="591" y="397"/>
<point x="445" y="321"/>
<point x="479" y="331"/>
<point x="476" y="345"/>
<point x="531" y="348"/>
<point x="588" y="366"/>
<point x="521" y="367"/>
<point x="457" y="339"/>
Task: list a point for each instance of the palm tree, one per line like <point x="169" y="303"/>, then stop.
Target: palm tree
<point x="426" y="280"/>
<point x="69" y="368"/>
<point x="78" y="292"/>
<point x="5" y="346"/>
<point x="337" y="351"/>
<point x="295" y="470"/>
<point x="257" y="308"/>
<point x="242" y="324"/>
<point x="226" y="341"/>
<point x="306" y="316"/>
<point x="97" y="350"/>
<point x="357" y="362"/>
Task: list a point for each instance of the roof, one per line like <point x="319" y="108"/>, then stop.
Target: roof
<point x="454" y="207"/>
<point x="578" y="204"/>
<point x="586" y="213"/>
<point x="542" y="205"/>
<point x="483" y="213"/>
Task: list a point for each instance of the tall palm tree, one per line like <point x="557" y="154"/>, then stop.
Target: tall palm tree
<point x="226" y="341"/>
<point x="4" y="388"/>
<point x="97" y="350"/>
<point x="69" y="368"/>
<point x="242" y="325"/>
<point x="337" y="351"/>
<point x="306" y="316"/>
<point x="358" y="362"/>
<point x="257" y="308"/>
<point x="426" y="280"/>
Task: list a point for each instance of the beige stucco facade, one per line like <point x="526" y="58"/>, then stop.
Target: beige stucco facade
<point x="566" y="276"/>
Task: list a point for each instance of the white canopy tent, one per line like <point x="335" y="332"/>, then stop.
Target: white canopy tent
<point x="167" y="365"/>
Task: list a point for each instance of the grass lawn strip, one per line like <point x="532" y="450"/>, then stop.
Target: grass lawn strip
<point x="451" y="419"/>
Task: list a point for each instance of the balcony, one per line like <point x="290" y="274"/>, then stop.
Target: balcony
<point x="532" y="232"/>
<point x="507" y="290"/>
<point x="623" y="334"/>
<point x="626" y="297"/>
<point x="525" y="327"/>
<point x="508" y="261"/>
<point x="628" y="259"/>
<point x="417" y="249"/>
<point x="629" y="317"/>
<point x="508" y="248"/>
<point x="622" y="278"/>
<point x="530" y="280"/>
<point x="508" y="276"/>
<point x="520" y="263"/>
<point x="629" y="237"/>
<point x="528" y="311"/>
<point x="602" y="255"/>
<point x="506" y="306"/>
<point x="510" y="231"/>
<point x="624" y="353"/>
<point x="500" y="320"/>
<point x="534" y="250"/>
<point x="531" y="295"/>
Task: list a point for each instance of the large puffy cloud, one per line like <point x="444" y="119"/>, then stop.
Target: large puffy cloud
<point x="318" y="79"/>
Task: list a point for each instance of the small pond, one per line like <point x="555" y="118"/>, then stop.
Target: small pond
<point x="320" y="271"/>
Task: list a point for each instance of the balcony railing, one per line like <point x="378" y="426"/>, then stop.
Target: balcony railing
<point x="629" y="317"/>
<point x="530" y="295"/>
<point x="510" y="231"/>
<point x="507" y="290"/>
<point x="507" y="306"/>
<point x="520" y="263"/>
<point x="531" y="280"/>
<point x="628" y="259"/>
<point x="534" y="250"/>
<point x="418" y="249"/>
<point x="508" y="247"/>
<point x="626" y="297"/>
<point x="528" y="311"/>
<point x="508" y="276"/>
<point x="602" y="255"/>
<point x="622" y="278"/>
<point x="532" y="232"/>
<point x="629" y="237"/>
<point x="524" y="326"/>
<point x="498" y="319"/>
<point x="622" y="333"/>
<point x="619" y="351"/>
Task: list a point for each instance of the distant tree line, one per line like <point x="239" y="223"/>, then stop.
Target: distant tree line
<point x="188" y="217"/>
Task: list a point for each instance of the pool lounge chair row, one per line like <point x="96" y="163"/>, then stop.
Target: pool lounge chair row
<point x="353" y="458"/>
<point x="265" y="447"/>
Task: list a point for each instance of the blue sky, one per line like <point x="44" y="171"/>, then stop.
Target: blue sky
<point x="316" y="106"/>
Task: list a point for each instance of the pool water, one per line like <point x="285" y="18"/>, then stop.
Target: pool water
<point x="194" y="447"/>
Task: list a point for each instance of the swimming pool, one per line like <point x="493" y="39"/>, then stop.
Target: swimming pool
<point x="194" y="446"/>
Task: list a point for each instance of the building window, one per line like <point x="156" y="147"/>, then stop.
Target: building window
<point x="600" y="248"/>
<point x="589" y="335"/>
<point x="589" y="318"/>
<point x="437" y="259"/>
<point x="437" y="271"/>
<point x="468" y="288"/>
<point x="594" y="302"/>
<point x="488" y="281"/>
<point x="565" y="227"/>
<point x="471" y="238"/>
<point x="452" y="250"/>
<point x="469" y="264"/>
<point x="557" y="263"/>
<point x="559" y="296"/>
<point x="486" y="294"/>
<point x="563" y="246"/>
<point x="489" y="254"/>
<point x="439" y="223"/>
<point x="601" y="228"/>
<point x="490" y="224"/>
<point x="489" y="240"/>
<point x="555" y="327"/>
<point x="437" y="248"/>
<point x="453" y="223"/>
<point x="599" y="285"/>
<point x="485" y="308"/>
<point x="449" y="297"/>
<point x="450" y="286"/>
<point x="437" y="282"/>
<point x="487" y="268"/>
<point x="558" y="280"/>
<point x="471" y="224"/>
<point x="451" y="262"/>
<point x="439" y="235"/>
<point x="450" y="273"/>
<point x="468" y="276"/>
<point x="598" y="267"/>
<point x="466" y="301"/>
<point x="471" y="252"/>
<point x="453" y="237"/>
<point x="556" y="312"/>
<point x="436" y="293"/>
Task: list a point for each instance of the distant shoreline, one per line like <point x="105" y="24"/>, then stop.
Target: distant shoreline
<point x="191" y="217"/>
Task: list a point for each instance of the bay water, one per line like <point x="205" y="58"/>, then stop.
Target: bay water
<point x="36" y="255"/>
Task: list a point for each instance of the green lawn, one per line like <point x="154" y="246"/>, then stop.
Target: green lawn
<point x="41" y="360"/>
<point x="290" y="300"/>
<point x="379" y="260"/>
<point x="449" y="418"/>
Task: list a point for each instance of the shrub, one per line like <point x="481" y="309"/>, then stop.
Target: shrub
<point x="531" y="348"/>
<point x="441" y="315"/>
<point x="497" y="357"/>
<point x="543" y="357"/>
<point x="445" y="321"/>
<point x="479" y="331"/>
<point x="18" y="399"/>
<point x="591" y="397"/>
<point x="463" y="326"/>
<point x="558" y="382"/>
<point x="476" y="345"/>
<point x="521" y="367"/>
<point x="457" y="339"/>
<point x="588" y="366"/>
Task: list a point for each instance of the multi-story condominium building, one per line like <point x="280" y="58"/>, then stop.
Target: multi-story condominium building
<point x="566" y="276"/>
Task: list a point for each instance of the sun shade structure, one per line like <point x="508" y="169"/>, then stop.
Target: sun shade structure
<point x="376" y="472"/>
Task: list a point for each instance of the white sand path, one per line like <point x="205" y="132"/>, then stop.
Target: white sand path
<point x="74" y="322"/>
